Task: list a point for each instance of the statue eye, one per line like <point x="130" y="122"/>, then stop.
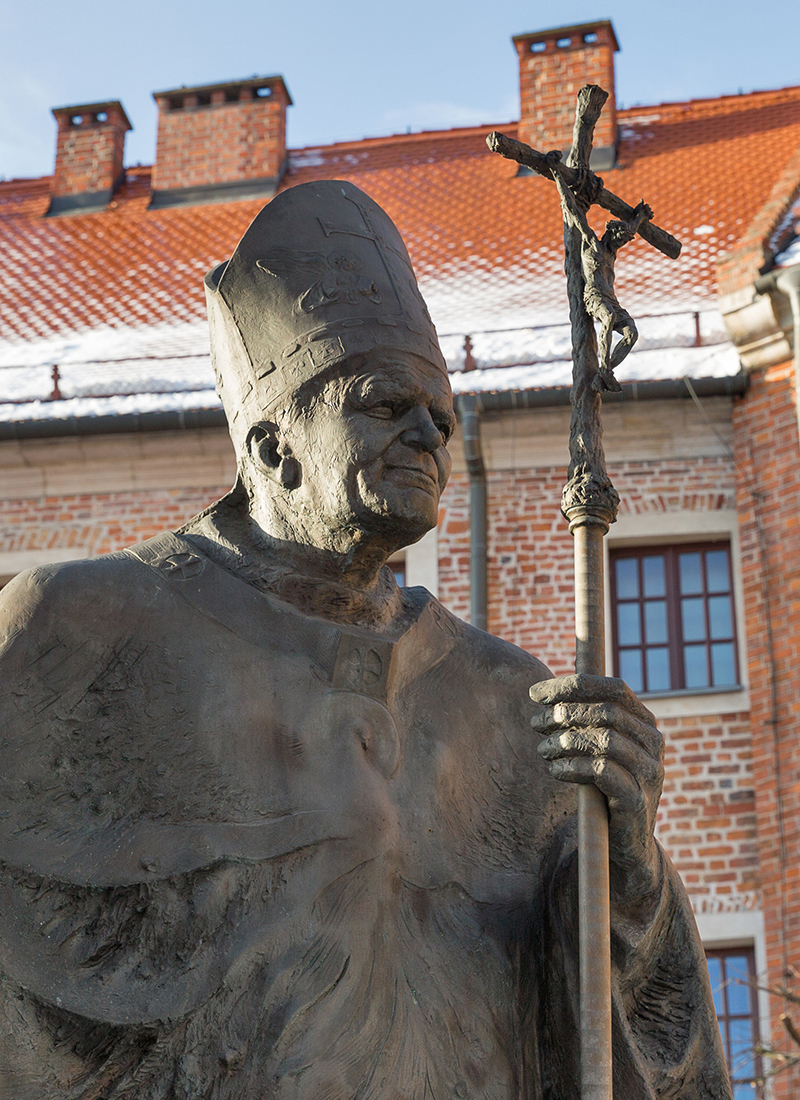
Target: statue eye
<point x="382" y="412"/>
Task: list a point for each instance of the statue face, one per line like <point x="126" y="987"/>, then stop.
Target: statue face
<point x="372" y="448"/>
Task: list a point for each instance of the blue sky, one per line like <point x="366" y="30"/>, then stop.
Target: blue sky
<point x="358" y="68"/>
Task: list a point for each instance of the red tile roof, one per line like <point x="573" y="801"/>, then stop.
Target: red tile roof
<point x="485" y="242"/>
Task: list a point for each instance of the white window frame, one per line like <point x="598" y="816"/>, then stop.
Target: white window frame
<point x="741" y="928"/>
<point x="671" y="528"/>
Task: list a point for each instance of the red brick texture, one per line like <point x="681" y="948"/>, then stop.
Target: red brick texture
<point x="707" y="816"/>
<point x="97" y="523"/>
<point x="89" y="153"/>
<point x="768" y="462"/>
<point x="222" y="141"/>
<point x="550" y="77"/>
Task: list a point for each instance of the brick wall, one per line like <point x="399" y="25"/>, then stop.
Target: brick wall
<point x="97" y="523"/>
<point x="707" y="816"/>
<point x="706" y="821"/>
<point x="766" y="445"/>
<point x="550" y="77"/>
<point x="224" y="134"/>
<point x="89" y="152"/>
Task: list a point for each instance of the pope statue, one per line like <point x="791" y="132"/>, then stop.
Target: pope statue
<point x="272" y="828"/>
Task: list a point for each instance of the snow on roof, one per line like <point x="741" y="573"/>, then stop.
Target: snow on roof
<point x="167" y="367"/>
<point x="115" y="299"/>
<point x="654" y="365"/>
<point x="789" y="256"/>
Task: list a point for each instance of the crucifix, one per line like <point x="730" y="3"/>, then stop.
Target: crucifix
<point x="589" y="503"/>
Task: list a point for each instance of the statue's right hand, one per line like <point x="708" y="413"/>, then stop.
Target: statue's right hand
<point x="595" y="730"/>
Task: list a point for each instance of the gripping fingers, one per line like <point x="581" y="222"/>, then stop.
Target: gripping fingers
<point x="579" y="687"/>
<point x="611" y="716"/>
<point x="599" y="746"/>
<point x="615" y="782"/>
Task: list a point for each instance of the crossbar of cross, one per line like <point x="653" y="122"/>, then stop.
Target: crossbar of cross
<point x="512" y="149"/>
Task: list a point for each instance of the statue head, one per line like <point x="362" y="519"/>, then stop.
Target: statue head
<point x="617" y="234"/>
<point x="328" y="367"/>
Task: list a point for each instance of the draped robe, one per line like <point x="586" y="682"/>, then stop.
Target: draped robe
<point x="247" y="853"/>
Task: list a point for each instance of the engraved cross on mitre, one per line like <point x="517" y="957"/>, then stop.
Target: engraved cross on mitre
<point x="367" y="230"/>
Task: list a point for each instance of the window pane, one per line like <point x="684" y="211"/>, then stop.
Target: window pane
<point x="630" y="668"/>
<point x="694" y="666"/>
<point x="655" y="622"/>
<point x="653" y="576"/>
<point x="717" y="571"/>
<point x="740" y="1034"/>
<point x="658" y="678"/>
<point x="715" y="974"/>
<point x="719" y="617"/>
<point x="693" y="620"/>
<point x="628" y="626"/>
<point x="744" y="1091"/>
<point x="684" y="625"/>
<point x="691" y="573"/>
<point x="738" y="978"/>
<point x="627" y="578"/>
<point x="722" y="664"/>
<point x="735" y="1005"/>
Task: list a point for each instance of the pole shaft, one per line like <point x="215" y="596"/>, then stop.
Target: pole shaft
<point x="594" y="920"/>
<point x="590" y="504"/>
<point x="473" y="454"/>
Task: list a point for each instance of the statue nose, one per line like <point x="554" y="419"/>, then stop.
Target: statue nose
<point x="421" y="432"/>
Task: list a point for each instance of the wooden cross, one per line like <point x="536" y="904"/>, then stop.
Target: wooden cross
<point x="590" y="103"/>
<point x="589" y="503"/>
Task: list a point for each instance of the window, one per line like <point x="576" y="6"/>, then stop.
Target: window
<point x="673" y="622"/>
<point x="398" y="567"/>
<point x="733" y="985"/>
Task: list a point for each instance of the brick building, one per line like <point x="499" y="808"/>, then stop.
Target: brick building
<point x="110" y="430"/>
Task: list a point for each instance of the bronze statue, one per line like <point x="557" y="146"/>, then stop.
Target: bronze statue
<point x="273" y="828"/>
<point x="598" y="256"/>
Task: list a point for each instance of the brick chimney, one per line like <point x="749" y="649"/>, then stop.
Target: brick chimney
<point x="89" y="148"/>
<point x="553" y="67"/>
<point x="220" y="142"/>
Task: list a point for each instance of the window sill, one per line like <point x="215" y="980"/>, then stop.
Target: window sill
<point x="691" y="703"/>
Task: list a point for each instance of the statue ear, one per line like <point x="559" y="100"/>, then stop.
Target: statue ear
<point x="271" y="455"/>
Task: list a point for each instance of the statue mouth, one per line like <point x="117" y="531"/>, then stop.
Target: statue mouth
<point x="418" y="477"/>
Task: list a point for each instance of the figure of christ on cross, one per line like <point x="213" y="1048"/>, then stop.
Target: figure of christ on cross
<point x="598" y="255"/>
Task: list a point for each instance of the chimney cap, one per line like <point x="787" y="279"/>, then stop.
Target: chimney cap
<point x="227" y="86"/>
<point x="567" y="32"/>
<point x="63" y="113"/>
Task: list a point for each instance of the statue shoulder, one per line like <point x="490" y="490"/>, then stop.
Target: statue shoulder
<point x="487" y="655"/>
<point x="80" y="595"/>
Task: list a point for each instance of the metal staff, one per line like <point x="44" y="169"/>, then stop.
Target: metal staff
<point x="589" y="503"/>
